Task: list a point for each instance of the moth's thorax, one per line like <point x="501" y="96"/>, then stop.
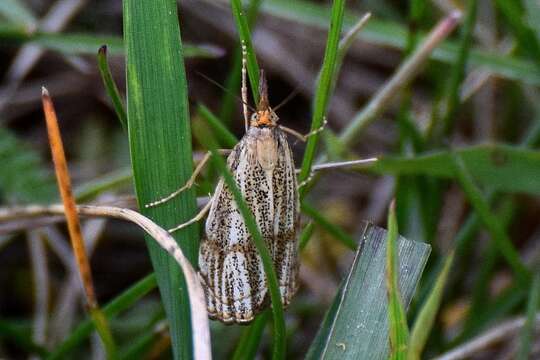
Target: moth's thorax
<point x="263" y="146"/>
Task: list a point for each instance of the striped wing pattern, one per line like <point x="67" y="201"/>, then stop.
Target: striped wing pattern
<point x="231" y="269"/>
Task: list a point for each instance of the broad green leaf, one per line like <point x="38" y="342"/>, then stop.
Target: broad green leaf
<point x="160" y="146"/>
<point x="356" y="327"/>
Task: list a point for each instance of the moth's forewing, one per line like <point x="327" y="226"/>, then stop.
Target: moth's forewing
<point x="230" y="267"/>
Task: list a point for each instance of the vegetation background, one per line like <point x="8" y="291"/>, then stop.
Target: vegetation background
<point x="458" y="147"/>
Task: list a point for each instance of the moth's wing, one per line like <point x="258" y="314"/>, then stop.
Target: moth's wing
<point x="286" y="217"/>
<point x="230" y="267"/>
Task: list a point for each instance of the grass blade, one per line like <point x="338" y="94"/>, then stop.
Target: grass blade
<point x="457" y="73"/>
<point x="73" y="43"/>
<point x="225" y="137"/>
<point x="328" y="226"/>
<point x="245" y="38"/>
<point x="493" y="166"/>
<point x="392" y="34"/>
<point x="492" y="224"/>
<point x="118" y="304"/>
<point x="399" y="332"/>
<point x="527" y="332"/>
<point x="426" y="317"/>
<point x="160" y="146"/>
<point x="403" y="75"/>
<point x="356" y="326"/>
<point x="324" y="87"/>
<point x="251" y="337"/>
<point x="110" y="86"/>
<point x="205" y="138"/>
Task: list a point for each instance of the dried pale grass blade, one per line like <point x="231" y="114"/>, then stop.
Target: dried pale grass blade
<point x="197" y="301"/>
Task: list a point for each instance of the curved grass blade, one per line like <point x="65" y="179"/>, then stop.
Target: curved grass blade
<point x="356" y="326"/>
<point x="226" y="138"/>
<point x="160" y="146"/>
<point x="110" y="86"/>
<point x="205" y="137"/>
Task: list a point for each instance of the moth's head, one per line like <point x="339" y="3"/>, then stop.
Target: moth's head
<point x="264" y="116"/>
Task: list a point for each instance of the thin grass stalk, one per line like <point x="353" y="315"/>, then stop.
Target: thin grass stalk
<point x="333" y="229"/>
<point x="528" y="329"/>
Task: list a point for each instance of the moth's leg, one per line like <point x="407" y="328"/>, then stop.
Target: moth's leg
<point x="190" y="182"/>
<point x="301" y="137"/>
<point x="197" y="217"/>
<point x="244" y="85"/>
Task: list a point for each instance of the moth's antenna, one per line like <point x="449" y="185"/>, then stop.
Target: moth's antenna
<point x="288" y="98"/>
<point x="244" y="85"/>
<point x="225" y="89"/>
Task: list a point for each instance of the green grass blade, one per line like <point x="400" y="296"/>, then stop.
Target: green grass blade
<point x="305" y="235"/>
<point x="328" y="226"/>
<point x="229" y="101"/>
<point x="160" y="146"/>
<point x="493" y="166"/>
<point x="356" y="326"/>
<point x="242" y="24"/>
<point x="251" y="337"/>
<point x="491" y="222"/>
<point x="205" y="138"/>
<point x="399" y="332"/>
<point x="403" y="75"/>
<point x="526" y="38"/>
<point x="457" y="73"/>
<point x="118" y="304"/>
<point x="110" y="86"/>
<point x="85" y="44"/>
<point x="532" y="14"/>
<point x="225" y="137"/>
<point x="392" y="34"/>
<point x="13" y="334"/>
<point x="426" y="317"/>
<point x="324" y="87"/>
<point x="527" y="332"/>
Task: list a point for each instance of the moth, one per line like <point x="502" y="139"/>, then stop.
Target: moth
<point x="230" y="267"/>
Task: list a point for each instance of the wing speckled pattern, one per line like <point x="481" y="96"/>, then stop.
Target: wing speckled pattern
<point x="231" y="269"/>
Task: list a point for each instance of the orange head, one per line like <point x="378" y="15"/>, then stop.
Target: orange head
<point x="264" y="116"/>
